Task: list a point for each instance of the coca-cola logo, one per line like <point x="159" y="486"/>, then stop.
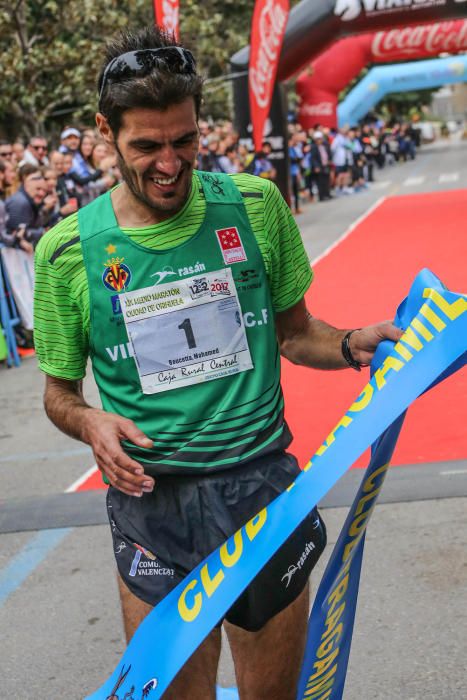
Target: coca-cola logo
<point x="434" y="39"/>
<point x="271" y="26"/>
<point x="322" y="109"/>
<point x="349" y="10"/>
<point x="170" y="15"/>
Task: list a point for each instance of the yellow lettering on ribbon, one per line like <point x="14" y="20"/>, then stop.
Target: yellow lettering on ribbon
<point x="452" y="311"/>
<point x="390" y="363"/>
<point x="410" y="339"/>
<point x="254" y="525"/>
<point x="344" y="422"/>
<point x="318" y="685"/>
<point x="423" y="330"/>
<point x="229" y="559"/>
<point x="211" y="584"/>
<point x="363" y="400"/>
<point x="433" y="318"/>
<point x="186" y="613"/>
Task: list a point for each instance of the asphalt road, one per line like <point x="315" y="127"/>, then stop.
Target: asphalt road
<point x="60" y="625"/>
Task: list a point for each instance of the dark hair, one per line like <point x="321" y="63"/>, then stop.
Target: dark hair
<point x="28" y="169"/>
<point x="2" y="166"/>
<point x="160" y="89"/>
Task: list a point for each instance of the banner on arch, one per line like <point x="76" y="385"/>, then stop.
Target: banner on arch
<point x="267" y="34"/>
<point x="166" y="13"/>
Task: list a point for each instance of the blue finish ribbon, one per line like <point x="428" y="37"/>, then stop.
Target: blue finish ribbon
<point x="434" y="345"/>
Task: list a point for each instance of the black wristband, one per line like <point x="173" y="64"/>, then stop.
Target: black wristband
<point x="347" y="353"/>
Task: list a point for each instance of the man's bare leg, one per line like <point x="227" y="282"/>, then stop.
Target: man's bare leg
<point x="197" y="679"/>
<point x="267" y="663"/>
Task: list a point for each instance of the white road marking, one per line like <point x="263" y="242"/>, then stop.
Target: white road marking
<point x="454" y="471"/>
<point x="349" y="230"/>
<point x="413" y="181"/>
<point x="448" y="177"/>
<point x="380" y="184"/>
<point x="76" y="484"/>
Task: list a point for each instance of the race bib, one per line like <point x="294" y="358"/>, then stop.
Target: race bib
<point x="186" y="332"/>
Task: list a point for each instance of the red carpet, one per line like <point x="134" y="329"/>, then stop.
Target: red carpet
<point x="360" y="282"/>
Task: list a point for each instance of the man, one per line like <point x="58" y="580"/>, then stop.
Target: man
<point x="7" y="176"/>
<point x="6" y="152"/>
<point x="69" y="140"/>
<point x="25" y="208"/>
<point x="35" y="152"/>
<point x="320" y="159"/>
<point x="192" y="435"/>
<point x="340" y="158"/>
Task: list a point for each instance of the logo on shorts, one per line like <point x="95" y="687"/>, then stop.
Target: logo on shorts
<point x="231" y="245"/>
<point x="116" y="276"/>
<point x="293" y="568"/>
<point x="149" y="566"/>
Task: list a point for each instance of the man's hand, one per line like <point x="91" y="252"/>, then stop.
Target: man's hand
<point x="363" y="342"/>
<point x="104" y="433"/>
<point x="305" y="340"/>
<point x="65" y="405"/>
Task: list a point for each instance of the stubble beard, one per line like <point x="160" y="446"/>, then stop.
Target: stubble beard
<point x="171" y="207"/>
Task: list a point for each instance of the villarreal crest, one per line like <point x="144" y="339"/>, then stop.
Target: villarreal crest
<point x="116" y="276"/>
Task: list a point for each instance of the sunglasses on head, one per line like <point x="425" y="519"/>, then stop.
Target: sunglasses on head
<point x="140" y="63"/>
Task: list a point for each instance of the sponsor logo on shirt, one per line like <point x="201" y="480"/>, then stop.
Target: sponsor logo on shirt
<point x="231" y="245"/>
<point x="162" y="275"/>
<point x="116" y="276"/>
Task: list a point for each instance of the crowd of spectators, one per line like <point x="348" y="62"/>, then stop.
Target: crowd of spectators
<point x="41" y="183"/>
<point x="327" y="163"/>
<point x="39" y="186"/>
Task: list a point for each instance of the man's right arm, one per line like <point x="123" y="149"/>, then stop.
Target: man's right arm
<point x="66" y="407"/>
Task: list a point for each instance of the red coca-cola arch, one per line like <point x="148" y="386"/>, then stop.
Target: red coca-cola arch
<point x="312" y="27"/>
<point x="320" y="85"/>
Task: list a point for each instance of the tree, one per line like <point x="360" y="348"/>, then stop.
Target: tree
<point x="50" y="54"/>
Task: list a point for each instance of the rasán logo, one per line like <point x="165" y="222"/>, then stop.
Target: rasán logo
<point x="348" y="10"/>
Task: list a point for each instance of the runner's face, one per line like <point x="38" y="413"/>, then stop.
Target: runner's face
<point x="156" y="155"/>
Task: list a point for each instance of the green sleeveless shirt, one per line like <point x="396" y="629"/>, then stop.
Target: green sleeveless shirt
<point x="213" y="424"/>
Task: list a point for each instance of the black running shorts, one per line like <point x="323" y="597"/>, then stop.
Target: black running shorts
<point x="159" y="538"/>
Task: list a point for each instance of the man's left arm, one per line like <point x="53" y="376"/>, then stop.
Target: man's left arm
<point x="308" y="341"/>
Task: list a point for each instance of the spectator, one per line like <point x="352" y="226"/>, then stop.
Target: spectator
<point x="339" y="150"/>
<point x="18" y="150"/>
<point x="70" y="140"/>
<point x="102" y="168"/>
<point x="68" y="204"/>
<point x="230" y="162"/>
<point x="24" y="208"/>
<point x="295" y="157"/>
<point x="66" y="185"/>
<point x="262" y="165"/>
<point x="35" y="153"/>
<point x="320" y="161"/>
<point x="6" y="152"/>
<point x="7" y="176"/>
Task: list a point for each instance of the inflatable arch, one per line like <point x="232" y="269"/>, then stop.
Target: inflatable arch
<point x="401" y="77"/>
<point x="319" y="86"/>
<point x="313" y="25"/>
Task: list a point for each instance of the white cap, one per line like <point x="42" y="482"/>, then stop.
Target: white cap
<point x="70" y="131"/>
